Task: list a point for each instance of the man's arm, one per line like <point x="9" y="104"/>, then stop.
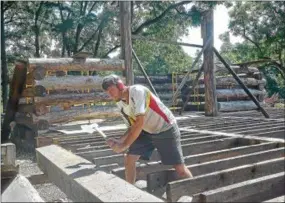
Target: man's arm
<point x="133" y="133"/>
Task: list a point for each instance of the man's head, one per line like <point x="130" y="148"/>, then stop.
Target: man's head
<point x="114" y="86"/>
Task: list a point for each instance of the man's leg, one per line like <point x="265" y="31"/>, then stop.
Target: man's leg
<point x="142" y="148"/>
<point x="130" y="166"/>
<point x="183" y="171"/>
<point x="169" y="146"/>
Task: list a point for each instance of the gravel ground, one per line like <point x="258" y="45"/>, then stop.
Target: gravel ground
<point x="28" y="166"/>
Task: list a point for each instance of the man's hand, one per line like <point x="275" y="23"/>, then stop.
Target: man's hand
<point x="116" y="145"/>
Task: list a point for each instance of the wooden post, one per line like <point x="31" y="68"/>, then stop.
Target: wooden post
<point x="211" y="107"/>
<point x="126" y="39"/>
<point x="16" y="89"/>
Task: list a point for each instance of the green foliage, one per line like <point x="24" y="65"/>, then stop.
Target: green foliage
<point x="262" y="25"/>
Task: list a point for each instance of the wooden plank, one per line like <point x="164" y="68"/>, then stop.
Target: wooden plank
<point x="144" y="169"/>
<point x="199" y="184"/>
<point x="238" y="191"/>
<point x="76" y="176"/>
<point x="108" y="156"/>
<point x="216" y="165"/>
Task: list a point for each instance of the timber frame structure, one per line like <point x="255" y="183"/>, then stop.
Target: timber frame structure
<point x="234" y="157"/>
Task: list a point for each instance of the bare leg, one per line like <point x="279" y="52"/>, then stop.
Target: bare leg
<point x="183" y="171"/>
<point x="130" y="166"/>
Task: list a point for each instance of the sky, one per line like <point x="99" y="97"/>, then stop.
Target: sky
<point x="221" y="20"/>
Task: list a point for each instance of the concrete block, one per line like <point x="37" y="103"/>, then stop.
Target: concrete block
<point x="222" y="178"/>
<point x="8" y="153"/>
<point x="82" y="182"/>
<point x="277" y="199"/>
<point x="235" y="192"/>
<point x="20" y="190"/>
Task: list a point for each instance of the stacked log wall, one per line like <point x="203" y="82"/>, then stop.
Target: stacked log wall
<point x="52" y="95"/>
<point x="230" y="96"/>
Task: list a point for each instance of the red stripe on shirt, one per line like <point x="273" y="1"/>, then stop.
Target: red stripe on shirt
<point x="154" y="106"/>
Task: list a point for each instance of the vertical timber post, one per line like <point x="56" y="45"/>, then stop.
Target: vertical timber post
<point x="211" y="107"/>
<point x="126" y="39"/>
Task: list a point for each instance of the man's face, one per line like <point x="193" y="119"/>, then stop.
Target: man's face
<point x="114" y="92"/>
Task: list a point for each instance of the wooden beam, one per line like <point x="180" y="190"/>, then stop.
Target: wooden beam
<point x="240" y="190"/>
<point x="135" y="37"/>
<point x="211" y="105"/>
<point x="16" y="89"/>
<point x="201" y="183"/>
<point x="126" y="39"/>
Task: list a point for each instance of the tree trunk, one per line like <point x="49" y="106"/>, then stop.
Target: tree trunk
<point x="4" y="73"/>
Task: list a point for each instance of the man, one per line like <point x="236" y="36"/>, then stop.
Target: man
<point x="151" y="125"/>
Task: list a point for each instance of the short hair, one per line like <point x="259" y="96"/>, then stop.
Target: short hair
<point x="109" y="81"/>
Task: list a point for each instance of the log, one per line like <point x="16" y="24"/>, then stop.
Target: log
<point x="73" y="98"/>
<point x="80" y="114"/>
<point x="37" y="91"/>
<point x="73" y="64"/>
<point x="237" y="106"/>
<point x="38" y="109"/>
<point x="71" y="82"/>
<point x="163" y="84"/>
<point x="31" y="121"/>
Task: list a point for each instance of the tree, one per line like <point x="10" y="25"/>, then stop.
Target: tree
<point x="5" y="6"/>
<point x="262" y="24"/>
